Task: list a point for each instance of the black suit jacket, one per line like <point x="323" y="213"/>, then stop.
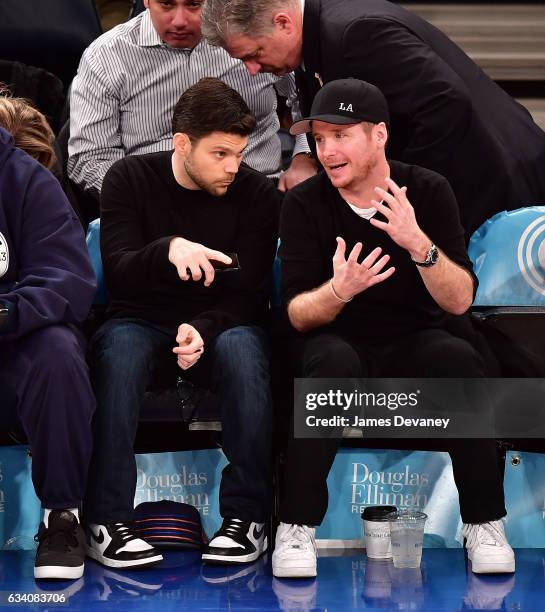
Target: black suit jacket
<point x="446" y="114"/>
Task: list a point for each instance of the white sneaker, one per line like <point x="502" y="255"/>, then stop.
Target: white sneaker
<point x="295" y="552"/>
<point x="488" y="548"/>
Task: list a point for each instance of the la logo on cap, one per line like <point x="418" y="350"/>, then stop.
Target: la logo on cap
<point x="346" y="108"/>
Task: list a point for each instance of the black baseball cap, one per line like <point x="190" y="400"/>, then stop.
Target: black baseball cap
<point x="343" y="102"/>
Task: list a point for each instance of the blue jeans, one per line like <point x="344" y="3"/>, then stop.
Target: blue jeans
<point x="125" y="353"/>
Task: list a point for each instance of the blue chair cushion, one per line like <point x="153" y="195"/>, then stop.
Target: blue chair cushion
<point x="93" y="246"/>
<point x="508" y="255"/>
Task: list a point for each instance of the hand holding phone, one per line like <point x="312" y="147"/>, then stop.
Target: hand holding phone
<point x="194" y="260"/>
<point x="220" y="266"/>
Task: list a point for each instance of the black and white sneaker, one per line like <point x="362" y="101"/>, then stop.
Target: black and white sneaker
<point x="116" y="545"/>
<point x="236" y="542"/>
<point x="61" y="547"/>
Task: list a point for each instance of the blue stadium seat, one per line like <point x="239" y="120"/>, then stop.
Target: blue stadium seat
<point x="508" y="254"/>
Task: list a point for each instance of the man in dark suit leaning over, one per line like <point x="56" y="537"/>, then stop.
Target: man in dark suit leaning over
<point x="446" y="114"/>
<point x="373" y="265"/>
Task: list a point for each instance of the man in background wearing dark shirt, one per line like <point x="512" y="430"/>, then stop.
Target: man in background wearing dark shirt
<point x="373" y="261"/>
<point x="165" y="217"/>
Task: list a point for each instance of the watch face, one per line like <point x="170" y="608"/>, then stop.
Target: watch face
<point x="433" y="254"/>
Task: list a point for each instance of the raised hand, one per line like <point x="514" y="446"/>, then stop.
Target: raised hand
<point x="351" y="277"/>
<point x="401" y="225"/>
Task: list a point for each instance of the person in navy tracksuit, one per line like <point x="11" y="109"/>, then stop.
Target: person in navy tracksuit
<point x="47" y="286"/>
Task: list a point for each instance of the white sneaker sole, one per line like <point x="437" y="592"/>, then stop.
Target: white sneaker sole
<point x="226" y="560"/>
<point x="505" y="567"/>
<point x="91" y="552"/>
<point x="58" y="572"/>
<point x="294" y="572"/>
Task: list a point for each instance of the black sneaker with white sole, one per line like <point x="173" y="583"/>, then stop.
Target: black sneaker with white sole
<point x="116" y="545"/>
<point x="236" y="542"/>
<point x="61" y="547"/>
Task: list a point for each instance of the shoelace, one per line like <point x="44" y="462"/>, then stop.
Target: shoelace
<point x="232" y="528"/>
<point x="298" y="533"/>
<point x="125" y="531"/>
<point x="485" y="533"/>
<point x="58" y="539"/>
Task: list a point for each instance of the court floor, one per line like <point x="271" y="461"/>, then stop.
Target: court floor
<point x="346" y="581"/>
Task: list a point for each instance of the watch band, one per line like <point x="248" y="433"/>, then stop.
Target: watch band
<point x="431" y="257"/>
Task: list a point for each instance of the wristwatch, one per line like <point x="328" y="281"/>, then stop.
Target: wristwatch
<point x="431" y="258"/>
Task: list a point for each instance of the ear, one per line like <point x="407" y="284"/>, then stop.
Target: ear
<point x="146" y="3"/>
<point x="182" y="144"/>
<point x="284" y="22"/>
<point x="381" y="133"/>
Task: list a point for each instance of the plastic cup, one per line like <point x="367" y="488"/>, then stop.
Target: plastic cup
<point x="376" y="529"/>
<point x="407" y="535"/>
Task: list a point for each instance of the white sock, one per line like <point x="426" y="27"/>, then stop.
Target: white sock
<point x="47" y="511"/>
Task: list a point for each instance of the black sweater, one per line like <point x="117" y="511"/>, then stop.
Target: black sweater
<point x="143" y="208"/>
<point x="314" y="214"/>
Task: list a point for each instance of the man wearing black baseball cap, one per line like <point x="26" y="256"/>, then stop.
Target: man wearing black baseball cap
<point x="344" y="102"/>
<point x="373" y="265"/>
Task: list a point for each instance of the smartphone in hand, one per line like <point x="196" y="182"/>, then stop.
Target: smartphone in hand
<point x="219" y="266"/>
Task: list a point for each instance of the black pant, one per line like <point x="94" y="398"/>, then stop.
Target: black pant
<point x="46" y="373"/>
<point x="430" y="353"/>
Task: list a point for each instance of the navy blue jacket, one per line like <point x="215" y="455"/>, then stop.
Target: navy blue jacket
<point x="46" y="276"/>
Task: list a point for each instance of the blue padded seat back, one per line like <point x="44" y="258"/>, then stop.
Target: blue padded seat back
<point x="93" y="246"/>
<point x="508" y="255"/>
<point x="276" y="289"/>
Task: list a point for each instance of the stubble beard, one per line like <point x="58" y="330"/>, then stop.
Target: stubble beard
<point x="200" y="182"/>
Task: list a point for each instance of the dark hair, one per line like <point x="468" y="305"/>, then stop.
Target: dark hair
<point x="211" y="106"/>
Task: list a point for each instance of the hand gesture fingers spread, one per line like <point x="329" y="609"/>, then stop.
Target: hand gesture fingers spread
<point x="401" y="224"/>
<point x="378" y="278"/>
<point x="338" y="257"/>
<point x="398" y="192"/>
<point x="351" y="278"/>
<point x="389" y="198"/>
<point x="355" y="252"/>
<point x="370" y="259"/>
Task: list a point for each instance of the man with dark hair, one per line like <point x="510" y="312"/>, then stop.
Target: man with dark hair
<point x="47" y="286"/>
<point x="211" y="108"/>
<point x="446" y="113"/>
<point x="130" y="78"/>
<point x="373" y="265"/>
<point x="168" y="220"/>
